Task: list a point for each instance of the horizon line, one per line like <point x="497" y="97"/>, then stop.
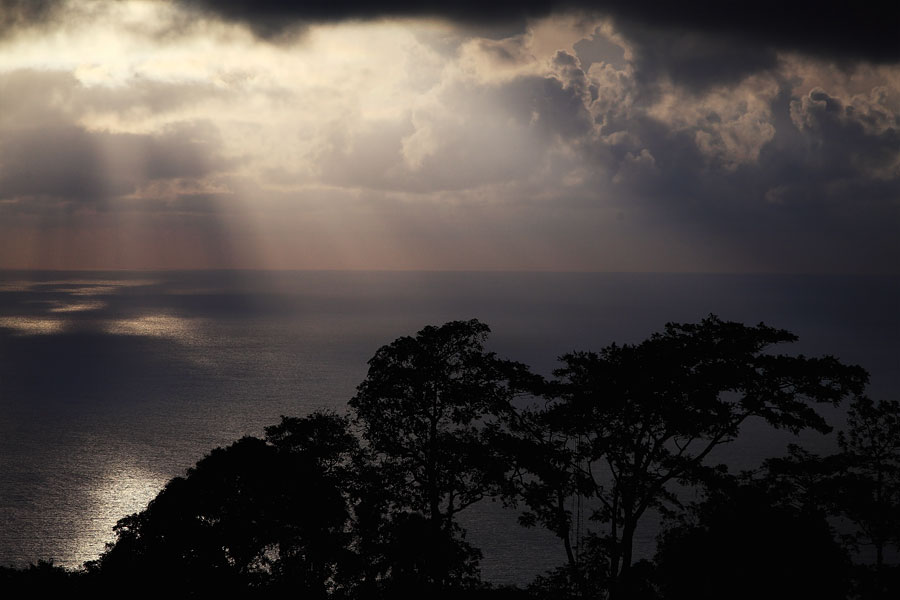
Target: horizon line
<point x="448" y="271"/>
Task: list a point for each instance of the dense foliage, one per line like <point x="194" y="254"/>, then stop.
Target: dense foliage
<point x="365" y="505"/>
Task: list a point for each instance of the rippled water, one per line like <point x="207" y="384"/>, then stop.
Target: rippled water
<point x="112" y="383"/>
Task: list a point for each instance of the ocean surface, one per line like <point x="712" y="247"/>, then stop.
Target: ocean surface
<point x="111" y="383"/>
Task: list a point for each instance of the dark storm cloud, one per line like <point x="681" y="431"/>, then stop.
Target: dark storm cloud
<point x="22" y="13"/>
<point x="824" y="154"/>
<point x="46" y="155"/>
<point x="695" y="60"/>
<point x="821" y="197"/>
<point x="840" y="156"/>
<point x="774" y="172"/>
<point x="62" y="162"/>
<point x="697" y="42"/>
<point x="268" y="17"/>
<point x="862" y="30"/>
<point x="68" y="162"/>
<point x="847" y="30"/>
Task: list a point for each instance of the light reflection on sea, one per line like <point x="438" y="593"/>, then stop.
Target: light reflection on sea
<point x="73" y="307"/>
<point x="165" y="326"/>
<point x="110" y="384"/>
<point x="32" y="325"/>
<point x="121" y="489"/>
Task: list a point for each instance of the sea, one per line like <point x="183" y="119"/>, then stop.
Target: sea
<point x="111" y="383"/>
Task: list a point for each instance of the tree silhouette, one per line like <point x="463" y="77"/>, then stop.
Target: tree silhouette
<point x="43" y="579"/>
<point x="742" y="542"/>
<point x="366" y="505"/>
<point x="634" y="420"/>
<point x="870" y="482"/>
<point x="423" y="411"/>
<point x="859" y="485"/>
<point x="246" y="517"/>
<point x="322" y="438"/>
<point x="861" y="482"/>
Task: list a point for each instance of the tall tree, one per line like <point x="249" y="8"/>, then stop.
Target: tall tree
<point x="869" y="490"/>
<point x="860" y="483"/>
<point x="423" y="411"/>
<point x="637" y="419"/>
<point x="859" y="486"/>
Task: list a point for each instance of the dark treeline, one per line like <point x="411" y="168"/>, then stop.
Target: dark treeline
<point x="366" y="504"/>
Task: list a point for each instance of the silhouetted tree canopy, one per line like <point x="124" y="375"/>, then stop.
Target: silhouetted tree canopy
<point x="869" y="484"/>
<point x="322" y="438"/>
<point x="365" y="505"/>
<point x="245" y="517"/>
<point x="859" y="485"/>
<point x="743" y="543"/>
<point x="423" y="412"/>
<point x="41" y="579"/>
<point x="630" y="421"/>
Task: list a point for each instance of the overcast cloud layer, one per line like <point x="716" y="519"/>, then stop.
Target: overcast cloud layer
<point x="545" y="136"/>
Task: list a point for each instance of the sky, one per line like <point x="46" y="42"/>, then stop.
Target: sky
<point x="533" y="135"/>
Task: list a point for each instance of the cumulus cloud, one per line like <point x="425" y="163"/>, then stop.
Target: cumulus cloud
<point x="466" y="136"/>
<point x="569" y="142"/>
<point x="729" y="124"/>
<point x="856" y="138"/>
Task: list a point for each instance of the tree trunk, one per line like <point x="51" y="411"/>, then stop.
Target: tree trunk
<point x="613" y="533"/>
<point x="627" y="543"/>
<point x="620" y="584"/>
<point x="565" y="529"/>
<point x="434" y="496"/>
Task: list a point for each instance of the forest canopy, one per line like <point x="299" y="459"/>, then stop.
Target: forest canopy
<point x="366" y="504"/>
